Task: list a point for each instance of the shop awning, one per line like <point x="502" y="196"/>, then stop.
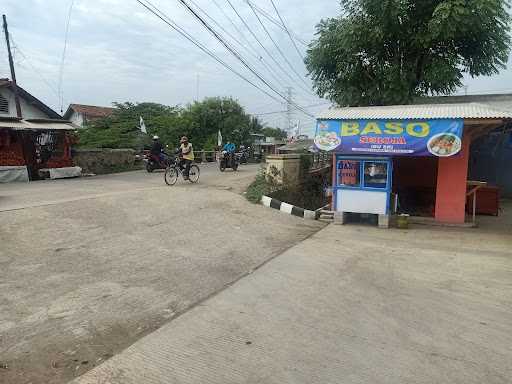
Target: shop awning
<point x="36" y="124"/>
<point x="417" y="112"/>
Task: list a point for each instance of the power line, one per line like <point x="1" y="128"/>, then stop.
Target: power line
<point x="286" y="110"/>
<point x="266" y="50"/>
<point x="61" y="69"/>
<point x="236" y="54"/>
<point x="256" y="56"/>
<point x="276" y="22"/>
<point x="36" y="71"/>
<point x="276" y="45"/>
<point x="286" y="29"/>
<point x="162" y="16"/>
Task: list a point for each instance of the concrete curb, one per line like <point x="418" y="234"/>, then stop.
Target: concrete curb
<point x="289" y="209"/>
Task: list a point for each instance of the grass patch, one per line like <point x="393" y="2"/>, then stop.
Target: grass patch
<point x="257" y="189"/>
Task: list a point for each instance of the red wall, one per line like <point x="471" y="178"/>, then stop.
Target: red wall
<point x="452" y="176"/>
<point x="11" y="150"/>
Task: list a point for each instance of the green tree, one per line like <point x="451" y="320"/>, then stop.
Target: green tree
<point x="278" y="133"/>
<point x="201" y="121"/>
<point x="121" y="129"/>
<point x="392" y="51"/>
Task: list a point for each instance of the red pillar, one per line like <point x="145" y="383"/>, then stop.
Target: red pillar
<point x="452" y="173"/>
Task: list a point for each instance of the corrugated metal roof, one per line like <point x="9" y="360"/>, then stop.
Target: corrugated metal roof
<point x="24" y="125"/>
<point x="423" y="111"/>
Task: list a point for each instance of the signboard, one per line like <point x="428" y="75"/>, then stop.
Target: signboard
<point x="440" y="137"/>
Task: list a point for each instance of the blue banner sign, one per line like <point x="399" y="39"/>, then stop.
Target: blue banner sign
<point x="440" y="137"/>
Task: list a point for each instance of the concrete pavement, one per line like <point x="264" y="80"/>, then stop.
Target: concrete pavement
<point x="89" y="266"/>
<point x="350" y="304"/>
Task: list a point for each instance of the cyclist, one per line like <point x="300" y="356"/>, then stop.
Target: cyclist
<point x="187" y="156"/>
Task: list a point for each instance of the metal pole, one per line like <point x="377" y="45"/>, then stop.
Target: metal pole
<point x="11" y="65"/>
<point x="474" y="208"/>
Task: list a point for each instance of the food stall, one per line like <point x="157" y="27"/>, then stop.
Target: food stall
<point x="32" y="149"/>
<point x="411" y="158"/>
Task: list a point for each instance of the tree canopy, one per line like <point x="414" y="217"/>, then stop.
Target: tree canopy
<point x="391" y="51"/>
<point x="200" y="121"/>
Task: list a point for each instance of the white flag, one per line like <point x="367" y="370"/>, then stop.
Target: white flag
<point x="219" y="138"/>
<point x="142" y="126"/>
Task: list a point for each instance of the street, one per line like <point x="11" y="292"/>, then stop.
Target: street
<point x="91" y="265"/>
<point x="351" y="304"/>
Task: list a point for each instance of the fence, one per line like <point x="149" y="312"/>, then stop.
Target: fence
<point x="320" y="160"/>
<point x="206" y="156"/>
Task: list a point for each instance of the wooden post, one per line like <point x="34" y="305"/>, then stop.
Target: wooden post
<point x="13" y="73"/>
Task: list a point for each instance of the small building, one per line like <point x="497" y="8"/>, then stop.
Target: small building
<point x="35" y="145"/>
<point x="414" y="157"/>
<point x="265" y="145"/>
<point x="80" y="114"/>
<point x="31" y="149"/>
<point x="490" y="154"/>
<point x="300" y="146"/>
<point x="31" y="107"/>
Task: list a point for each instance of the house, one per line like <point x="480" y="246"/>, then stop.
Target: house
<point x="36" y="144"/>
<point x="80" y="114"/>
<point x="299" y="146"/>
<point x="264" y="144"/>
<point x="31" y="107"/>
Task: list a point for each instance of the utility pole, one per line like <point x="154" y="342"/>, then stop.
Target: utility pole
<point x="289" y="95"/>
<point x="13" y="74"/>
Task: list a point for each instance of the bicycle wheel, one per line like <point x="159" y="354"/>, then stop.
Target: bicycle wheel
<point x="193" y="175"/>
<point x="171" y="175"/>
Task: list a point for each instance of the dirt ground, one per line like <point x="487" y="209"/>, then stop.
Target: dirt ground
<point x="89" y="266"/>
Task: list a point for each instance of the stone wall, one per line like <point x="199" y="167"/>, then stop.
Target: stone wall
<point x="104" y="160"/>
<point x="283" y="169"/>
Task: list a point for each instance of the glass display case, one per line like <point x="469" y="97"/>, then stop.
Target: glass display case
<point x="362" y="184"/>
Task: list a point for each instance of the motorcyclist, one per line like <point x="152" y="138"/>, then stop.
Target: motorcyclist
<point x="187" y="156"/>
<point x="157" y="149"/>
<point x="230" y="148"/>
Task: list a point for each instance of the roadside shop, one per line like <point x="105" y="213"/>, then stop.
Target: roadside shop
<point x="32" y="149"/>
<point x="410" y="159"/>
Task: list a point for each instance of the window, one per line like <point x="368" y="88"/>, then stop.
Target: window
<point x="349" y="173"/>
<point x="375" y="174"/>
<point x="4" y="105"/>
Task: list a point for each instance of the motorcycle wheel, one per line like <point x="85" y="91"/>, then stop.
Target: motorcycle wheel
<point x="194" y="173"/>
<point x="235" y="166"/>
<point x="222" y="166"/>
<point x="149" y="168"/>
<point x="171" y="175"/>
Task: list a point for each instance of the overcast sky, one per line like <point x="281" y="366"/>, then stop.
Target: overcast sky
<point x="118" y="51"/>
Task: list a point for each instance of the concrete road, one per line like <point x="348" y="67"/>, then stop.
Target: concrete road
<point x="89" y="266"/>
<point x="351" y="305"/>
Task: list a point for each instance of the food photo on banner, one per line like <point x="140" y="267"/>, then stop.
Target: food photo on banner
<point x="440" y="137"/>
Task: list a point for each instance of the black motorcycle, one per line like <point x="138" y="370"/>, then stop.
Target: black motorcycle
<point x="155" y="162"/>
<point x="228" y="160"/>
<point x="243" y="157"/>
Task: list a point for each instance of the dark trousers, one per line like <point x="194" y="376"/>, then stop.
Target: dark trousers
<point x="185" y="165"/>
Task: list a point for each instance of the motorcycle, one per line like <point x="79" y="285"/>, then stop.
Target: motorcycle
<point x="228" y="160"/>
<point x="155" y="162"/>
<point x="243" y="157"/>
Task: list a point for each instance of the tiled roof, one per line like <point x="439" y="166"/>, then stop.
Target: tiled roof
<point x="423" y="111"/>
<point x="91" y="111"/>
